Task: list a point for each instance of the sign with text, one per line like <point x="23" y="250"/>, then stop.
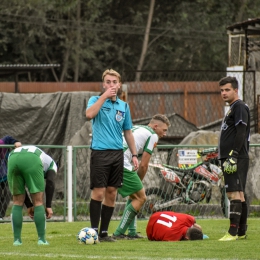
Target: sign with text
<point x="187" y="157"/>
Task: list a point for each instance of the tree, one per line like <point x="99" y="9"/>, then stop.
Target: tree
<point x="145" y="41"/>
<point x="86" y="37"/>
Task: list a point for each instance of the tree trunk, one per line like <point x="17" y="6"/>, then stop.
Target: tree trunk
<point x="65" y="64"/>
<point x="241" y="10"/>
<point x="145" y="42"/>
<point x="76" y="69"/>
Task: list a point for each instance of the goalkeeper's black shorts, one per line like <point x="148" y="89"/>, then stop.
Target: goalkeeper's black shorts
<point x="236" y="181"/>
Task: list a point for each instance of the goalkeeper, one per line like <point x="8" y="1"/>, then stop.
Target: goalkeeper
<point x="233" y="153"/>
<point x="146" y="138"/>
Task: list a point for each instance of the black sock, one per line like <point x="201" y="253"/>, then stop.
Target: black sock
<point x="234" y="216"/>
<point x="243" y="220"/>
<point x="106" y="214"/>
<point x="95" y="212"/>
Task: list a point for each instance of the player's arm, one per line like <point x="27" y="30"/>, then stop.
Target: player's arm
<point x="143" y="166"/>
<point x="240" y="137"/>
<point x="93" y="108"/>
<point x="131" y="144"/>
<point x="49" y="191"/>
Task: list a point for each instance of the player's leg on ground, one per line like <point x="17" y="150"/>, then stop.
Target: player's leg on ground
<point x="137" y="200"/>
<point x="133" y="225"/>
<point x="17" y="222"/>
<point x="244" y="213"/>
<point x="40" y="222"/>
<point x="132" y="229"/>
<point x="234" y="216"/>
<point x="95" y="213"/>
<point x="39" y="215"/>
<point x="107" y="210"/>
<point x="97" y="196"/>
<point x="128" y="217"/>
<point x="243" y="221"/>
<point x="106" y="215"/>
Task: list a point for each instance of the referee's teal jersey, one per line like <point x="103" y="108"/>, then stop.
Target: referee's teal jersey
<point x="109" y="123"/>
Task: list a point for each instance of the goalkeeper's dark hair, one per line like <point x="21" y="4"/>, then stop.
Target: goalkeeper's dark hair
<point x="232" y="80"/>
<point x="194" y="234"/>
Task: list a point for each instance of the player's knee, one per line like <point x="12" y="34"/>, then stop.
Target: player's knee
<point x="142" y="199"/>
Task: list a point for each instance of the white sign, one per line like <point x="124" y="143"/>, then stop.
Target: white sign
<point x="187" y="156"/>
<point x="231" y="71"/>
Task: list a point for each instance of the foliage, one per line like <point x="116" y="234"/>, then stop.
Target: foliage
<point x="63" y="244"/>
<point x="86" y="37"/>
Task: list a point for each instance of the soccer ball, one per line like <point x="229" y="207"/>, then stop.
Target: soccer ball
<point x="87" y="236"/>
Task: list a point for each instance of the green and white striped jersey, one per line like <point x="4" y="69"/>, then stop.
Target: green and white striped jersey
<point x="47" y="162"/>
<point x="145" y="140"/>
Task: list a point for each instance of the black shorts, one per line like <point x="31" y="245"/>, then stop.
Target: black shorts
<point x="237" y="180"/>
<point x="106" y="168"/>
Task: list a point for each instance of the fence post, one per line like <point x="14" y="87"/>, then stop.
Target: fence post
<point x="69" y="166"/>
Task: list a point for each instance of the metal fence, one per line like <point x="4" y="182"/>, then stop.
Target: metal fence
<point x="194" y="195"/>
<point x="194" y="95"/>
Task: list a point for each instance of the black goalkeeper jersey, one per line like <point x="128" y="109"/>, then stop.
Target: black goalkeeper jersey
<point x="237" y="114"/>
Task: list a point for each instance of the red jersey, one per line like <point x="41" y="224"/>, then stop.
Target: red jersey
<point x="168" y="226"/>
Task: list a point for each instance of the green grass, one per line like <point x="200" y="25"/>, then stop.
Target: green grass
<point x="63" y="244"/>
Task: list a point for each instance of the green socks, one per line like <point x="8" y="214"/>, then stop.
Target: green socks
<point x="17" y="222"/>
<point x="40" y="221"/>
<point x="128" y="217"/>
<point x="132" y="227"/>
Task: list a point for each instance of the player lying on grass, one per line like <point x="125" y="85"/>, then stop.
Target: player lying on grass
<point x="146" y="138"/>
<point x="173" y="226"/>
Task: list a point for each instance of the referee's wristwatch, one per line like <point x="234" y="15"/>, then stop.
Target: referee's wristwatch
<point x="134" y="155"/>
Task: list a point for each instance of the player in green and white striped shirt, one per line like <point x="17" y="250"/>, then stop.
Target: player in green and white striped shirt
<point x="146" y="138"/>
<point x="28" y="166"/>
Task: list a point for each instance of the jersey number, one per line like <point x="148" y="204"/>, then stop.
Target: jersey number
<point x="165" y="223"/>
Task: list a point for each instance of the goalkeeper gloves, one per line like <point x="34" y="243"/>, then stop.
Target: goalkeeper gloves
<point x="230" y="165"/>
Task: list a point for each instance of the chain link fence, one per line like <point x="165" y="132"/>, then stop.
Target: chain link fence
<point x="196" y="190"/>
<point x="199" y="192"/>
<point x="193" y="95"/>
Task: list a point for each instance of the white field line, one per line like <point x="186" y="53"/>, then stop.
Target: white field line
<point x="94" y="256"/>
<point x="47" y="237"/>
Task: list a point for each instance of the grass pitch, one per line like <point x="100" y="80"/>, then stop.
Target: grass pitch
<point x="63" y="244"/>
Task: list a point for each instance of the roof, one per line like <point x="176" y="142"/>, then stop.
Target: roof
<point x="178" y="130"/>
<point x="11" y="69"/>
<point x="251" y="26"/>
<point x="16" y="69"/>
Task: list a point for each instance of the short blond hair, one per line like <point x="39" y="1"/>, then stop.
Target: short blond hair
<point x="162" y="118"/>
<point x="112" y="73"/>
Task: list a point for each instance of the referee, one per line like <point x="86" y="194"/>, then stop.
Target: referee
<point x="110" y="118"/>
